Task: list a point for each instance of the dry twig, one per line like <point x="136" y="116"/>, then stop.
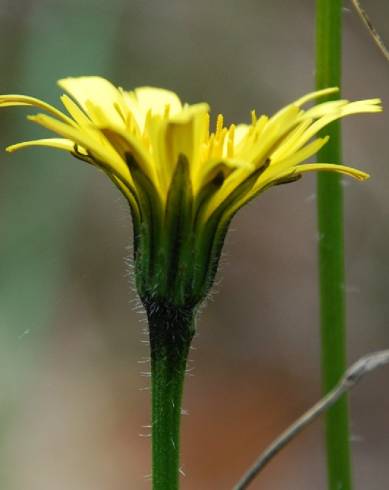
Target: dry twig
<point x="373" y="32"/>
<point x="351" y="377"/>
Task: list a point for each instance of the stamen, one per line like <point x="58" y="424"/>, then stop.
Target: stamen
<point x="219" y="124"/>
<point x="253" y="117"/>
<point x="219" y="143"/>
<point x="210" y="145"/>
<point x="230" y="143"/>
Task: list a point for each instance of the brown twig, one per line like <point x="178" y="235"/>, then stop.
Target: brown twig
<point x="373" y="32"/>
<point x="351" y="377"/>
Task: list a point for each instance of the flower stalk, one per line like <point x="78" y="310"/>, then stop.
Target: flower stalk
<point x="331" y="253"/>
<point x="171" y="333"/>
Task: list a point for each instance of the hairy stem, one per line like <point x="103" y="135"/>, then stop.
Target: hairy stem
<point x="171" y="332"/>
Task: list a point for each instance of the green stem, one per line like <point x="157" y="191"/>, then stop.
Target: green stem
<point x="171" y="332"/>
<point x="331" y="253"/>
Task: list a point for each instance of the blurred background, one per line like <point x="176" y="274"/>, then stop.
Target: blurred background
<point x="73" y="391"/>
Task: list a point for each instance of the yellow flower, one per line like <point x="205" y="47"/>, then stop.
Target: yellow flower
<point x="184" y="182"/>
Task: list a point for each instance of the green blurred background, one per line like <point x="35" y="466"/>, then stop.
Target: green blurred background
<point x="73" y="395"/>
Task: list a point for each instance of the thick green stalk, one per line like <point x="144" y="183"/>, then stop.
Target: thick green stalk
<point x="331" y="252"/>
<point x="171" y="332"/>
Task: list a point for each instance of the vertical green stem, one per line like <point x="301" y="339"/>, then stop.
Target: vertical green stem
<point x="171" y="332"/>
<point x="331" y="252"/>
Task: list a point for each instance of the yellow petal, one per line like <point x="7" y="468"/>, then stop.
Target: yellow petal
<point x="297" y="157"/>
<point x="97" y="90"/>
<point x="126" y="145"/>
<point x="275" y="130"/>
<point x="25" y="100"/>
<point x="278" y="169"/>
<point x="369" y="106"/>
<point x="291" y="143"/>
<point x="105" y="155"/>
<point x="74" y="110"/>
<point x="189" y="112"/>
<point x="362" y="106"/>
<point x="315" y="95"/>
<point x="324" y="108"/>
<point x="183" y="135"/>
<point x="241" y="173"/>
<point x="157" y="99"/>
<point x="332" y="167"/>
<point x="241" y="131"/>
<point x="144" y="99"/>
<point x="59" y="143"/>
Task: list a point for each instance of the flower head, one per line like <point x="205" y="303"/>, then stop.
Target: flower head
<point x="183" y="181"/>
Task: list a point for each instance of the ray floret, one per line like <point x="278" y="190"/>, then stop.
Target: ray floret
<point x="184" y="181"/>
